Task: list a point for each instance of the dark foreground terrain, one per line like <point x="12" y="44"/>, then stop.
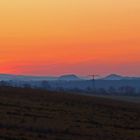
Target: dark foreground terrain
<point x="27" y="114"/>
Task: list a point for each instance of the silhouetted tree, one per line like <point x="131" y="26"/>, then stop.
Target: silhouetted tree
<point x="102" y="91"/>
<point x="4" y="83"/>
<point x="127" y="90"/>
<point x="45" y="85"/>
<point x="27" y="86"/>
<point x="112" y="90"/>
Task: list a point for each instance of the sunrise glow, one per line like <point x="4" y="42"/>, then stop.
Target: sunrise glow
<point x="54" y="37"/>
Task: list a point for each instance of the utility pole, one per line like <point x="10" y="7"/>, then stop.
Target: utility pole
<point x="93" y="80"/>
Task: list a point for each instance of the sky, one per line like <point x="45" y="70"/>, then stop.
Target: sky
<point x="55" y="37"/>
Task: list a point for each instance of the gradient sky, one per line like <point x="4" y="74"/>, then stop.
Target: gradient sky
<point x="53" y="37"/>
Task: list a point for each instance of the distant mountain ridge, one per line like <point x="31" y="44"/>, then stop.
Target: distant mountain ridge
<point x="7" y="77"/>
<point x="120" y="84"/>
<point x="113" y="77"/>
<point x="119" y="77"/>
<point x="26" y="78"/>
<point x="69" y="77"/>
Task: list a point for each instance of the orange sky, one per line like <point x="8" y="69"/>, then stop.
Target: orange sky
<point x="53" y="37"/>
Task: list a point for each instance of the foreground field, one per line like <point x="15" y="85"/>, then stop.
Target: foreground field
<point x="126" y="98"/>
<point x="133" y="99"/>
<point x="27" y="114"/>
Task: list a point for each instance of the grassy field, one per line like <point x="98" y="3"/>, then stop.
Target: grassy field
<point x="134" y="99"/>
<point x="131" y="99"/>
<point x="27" y="114"/>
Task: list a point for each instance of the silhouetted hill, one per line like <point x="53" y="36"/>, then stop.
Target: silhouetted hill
<point x="71" y="77"/>
<point x="113" y="77"/>
<point x="7" y="77"/>
<point x="119" y="77"/>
